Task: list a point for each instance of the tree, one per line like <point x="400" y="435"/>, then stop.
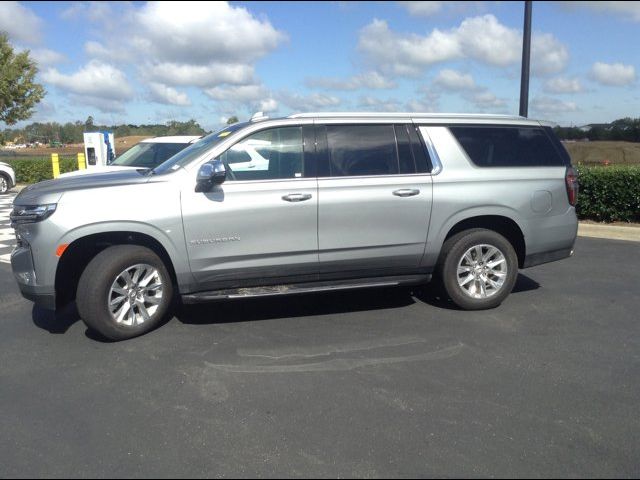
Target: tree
<point x="232" y="120"/>
<point x="19" y="94"/>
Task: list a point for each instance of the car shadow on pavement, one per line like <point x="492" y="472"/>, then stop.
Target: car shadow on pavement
<point x="304" y="305"/>
<point x="433" y="294"/>
<point x="251" y="309"/>
<point x="57" y="322"/>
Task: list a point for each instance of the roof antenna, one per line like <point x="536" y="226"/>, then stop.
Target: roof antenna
<point x="258" y="116"/>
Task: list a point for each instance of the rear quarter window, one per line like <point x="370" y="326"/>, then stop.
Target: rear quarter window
<point x="506" y="146"/>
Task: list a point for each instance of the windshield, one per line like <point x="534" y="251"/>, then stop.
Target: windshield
<point x="187" y="155"/>
<point x="148" y="155"/>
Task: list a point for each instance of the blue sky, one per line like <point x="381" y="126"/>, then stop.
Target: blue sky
<point x="147" y="62"/>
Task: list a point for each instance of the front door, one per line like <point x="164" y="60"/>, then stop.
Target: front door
<point x="260" y="226"/>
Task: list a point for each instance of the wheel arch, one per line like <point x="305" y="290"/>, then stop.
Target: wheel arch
<point x="82" y="250"/>
<point x="505" y="226"/>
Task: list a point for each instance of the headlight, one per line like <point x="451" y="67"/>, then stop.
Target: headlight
<point x="31" y="213"/>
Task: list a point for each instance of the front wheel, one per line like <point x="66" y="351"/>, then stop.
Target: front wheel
<point x="479" y="269"/>
<point x="4" y="184"/>
<point x="125" y="291"/>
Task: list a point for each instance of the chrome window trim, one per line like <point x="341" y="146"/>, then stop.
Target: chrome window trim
<point x="433" y="154"/>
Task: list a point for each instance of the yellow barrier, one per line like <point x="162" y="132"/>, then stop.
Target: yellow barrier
<point x="82" y="164"/>
<point x="55" y="163"/>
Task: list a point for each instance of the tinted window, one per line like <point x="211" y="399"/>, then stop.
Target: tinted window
<point x="148" y="155"/>
<point x="362" y="150"/>
<point x="508" y="146"/>
<point x="269" y="154"/>
<point x="405" y="157"/>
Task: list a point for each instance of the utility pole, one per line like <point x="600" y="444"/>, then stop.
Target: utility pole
<point x="526" y="60"/>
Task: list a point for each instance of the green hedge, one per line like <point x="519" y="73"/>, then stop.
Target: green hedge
<point x="33" y="170"/>
<point x="609" y="194"/>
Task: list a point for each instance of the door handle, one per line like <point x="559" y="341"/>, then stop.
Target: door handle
<point x="296" y="197"/>
<point x="406" y="192"/>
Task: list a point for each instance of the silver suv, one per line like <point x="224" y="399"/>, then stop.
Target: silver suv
<point x="307" y="203"/>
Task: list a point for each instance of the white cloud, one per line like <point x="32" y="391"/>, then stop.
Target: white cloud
<point x="629" y="10"/>
<point x="405" y="54"/>
<point x="199" y="75"/>
<point x="453" y="80"/>
<point x="268" y="105"/>
<point x="20" y="23"/>
<point x="200" y="33"/>
<point x="563" y="85"/>
<point x="552" y="106"/>
<point x="239" y="93"/>
<point x="371" y="80"/>
<point x="201" y="44"/>
<point x="95" y="80"/>
<point x="379" y="105"/>
<point x="94" y="11"/>
<point x="427" y="101"/>
<point x="487" y="100"/>
<point x="615" y="74"/>
<point x="485" y="39"/>
<point x="422" y="9"/>
<point x="548" y="55"/>
<point x="96" y="49"/>
<point x="308" y="103"/>
<point x="44" y="56"/>
<point x="482" y="38"/>
<point x="163" y="94"/>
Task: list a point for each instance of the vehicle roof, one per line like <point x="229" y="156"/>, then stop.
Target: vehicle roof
<point x="172" y="139"/>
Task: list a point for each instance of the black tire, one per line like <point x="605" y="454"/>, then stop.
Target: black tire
<point x="95" y="291"/>
<point x="453" y="251"/>
<point x="5" y="184"/>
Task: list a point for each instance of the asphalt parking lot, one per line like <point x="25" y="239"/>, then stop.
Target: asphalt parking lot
<point x="364" y="384"/>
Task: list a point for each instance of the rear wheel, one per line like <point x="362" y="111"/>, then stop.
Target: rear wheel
<point x="125" y="291"/>
<point x="479" y="269"/>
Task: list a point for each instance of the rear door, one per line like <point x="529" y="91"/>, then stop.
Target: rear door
<point x="375" y="199"/>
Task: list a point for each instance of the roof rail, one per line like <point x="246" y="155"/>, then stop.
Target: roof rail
<point x="403" y="114"/>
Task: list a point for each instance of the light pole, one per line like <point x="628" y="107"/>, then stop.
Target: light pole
<point x="526" y="60"/>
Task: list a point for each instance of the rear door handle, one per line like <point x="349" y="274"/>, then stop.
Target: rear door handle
<point x="296" y="197"/>
<point x="406" y="192"/>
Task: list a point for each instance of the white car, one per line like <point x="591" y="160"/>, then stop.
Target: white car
<point x="7" y="178"/>
<point x="148" y="153"/>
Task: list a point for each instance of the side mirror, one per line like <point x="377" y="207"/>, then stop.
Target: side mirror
<point x="210" y="174"/>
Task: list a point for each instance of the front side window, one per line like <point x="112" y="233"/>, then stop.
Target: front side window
<point x="356" y="150"/>
<point x="276" y="153"/>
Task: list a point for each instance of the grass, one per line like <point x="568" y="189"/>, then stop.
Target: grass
<point x="603" y="153"/>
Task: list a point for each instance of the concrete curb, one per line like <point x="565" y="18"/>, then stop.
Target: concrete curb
<point x="630" y="233"/>
<point x="613" y="232"/>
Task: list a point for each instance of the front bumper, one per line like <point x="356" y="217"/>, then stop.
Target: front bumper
<point x="24" y="273"/>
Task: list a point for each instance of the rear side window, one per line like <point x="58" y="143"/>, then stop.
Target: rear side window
<point x="356" y="150"/>
<point x="489" y="146"/>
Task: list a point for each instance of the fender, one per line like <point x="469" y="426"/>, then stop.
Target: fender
<point x="435" y="239"/>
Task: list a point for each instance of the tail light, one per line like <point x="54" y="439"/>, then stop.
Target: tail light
<point x="571" y="180"/>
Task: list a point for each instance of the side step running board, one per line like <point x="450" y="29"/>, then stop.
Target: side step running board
<point x="293" y="289"/>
